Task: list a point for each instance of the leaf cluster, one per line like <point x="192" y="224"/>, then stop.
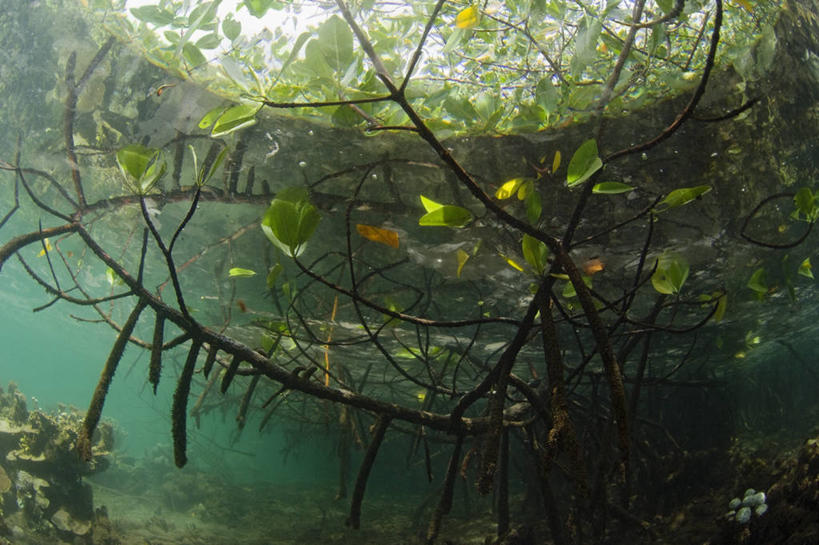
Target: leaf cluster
<point x="512" y="66"/>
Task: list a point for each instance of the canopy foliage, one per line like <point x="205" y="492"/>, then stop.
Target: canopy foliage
<point x="492" y="66"/>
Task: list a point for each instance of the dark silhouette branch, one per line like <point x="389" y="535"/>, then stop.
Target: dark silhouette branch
<point x="380" y="429"/>
<point x="92" y="416"/>
<point x="688" y="111"/>
<point x="743" y="232"/>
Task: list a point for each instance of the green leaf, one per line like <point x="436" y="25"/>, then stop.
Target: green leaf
<point x="344" y="116"/>
<point x="193" y="55"/>
<point x="291" y="220"/>
<point x="533" y="207"/>
<point x="568" y="289"/>
<point x="446" y="216"/>
<point x="234" y="71"/>
<point x="806" y="205"/>
<point x="443" y="215"/>
<point x="231" y="28"/>
<point x="203" y="177"/>
<point x="584" y="163"/>
<point x="461" y="257"/>
<point x="212" y="116"/>
<point x="722" y="306"/>
<point x="455" y="39"/>
<point x="134" y="158"/>
<point x="335" y="40"/>
<point x="273" y="275"/>
<point x="759" y="282"/>
<point x="240" y="272"/>
<point x="585" y="45"/>
<point x="300" y="41"/>
<point x="526" y="189"/>
<point x="682" y="196"/>
<point x="430" y="205"/>
<point x="546" y="94"/>
<point x="460" y="108"/>
<point x="142" y="167"/>
<point x="535" y="253"/>
<point x="235" y="118"/>
<point x="765" y="50"/>
<point x="153" y="14"/>
<point x="257" y="8"/>
<point x="209" y="41"/>
<point x="656" y="39"/>
<point x="113" y="278"/>
<point x="202" y="14"/>
<point x="805" y="269"/>
<point x="665" y="5"/>
<point x="270" y="342"/>
<point x="611" y="188"/>
<point x="670" y="275"/>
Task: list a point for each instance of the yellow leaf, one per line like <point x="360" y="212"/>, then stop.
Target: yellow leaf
<point x="511" y="262"/>
<point x="378" y="234"/>
<point x="462" y="258"/>
<point x="556" y="162"/>
<point x="508" y="188"/>
<point x="429" y="204"/>
<point x="467" y="18"/>
<point x="48" y="248"/>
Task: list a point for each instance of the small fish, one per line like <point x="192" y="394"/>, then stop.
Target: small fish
<point x="242" y="305"/>
<point x="164" y="87"/>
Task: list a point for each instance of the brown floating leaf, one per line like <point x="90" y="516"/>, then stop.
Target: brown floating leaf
<point x="378" y="234"/>
<point x="593" y="266"/>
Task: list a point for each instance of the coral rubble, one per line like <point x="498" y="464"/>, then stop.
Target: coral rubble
<point x="41" y="487"/>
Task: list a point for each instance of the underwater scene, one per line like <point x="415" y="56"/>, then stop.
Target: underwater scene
<point x="399" y="272"/>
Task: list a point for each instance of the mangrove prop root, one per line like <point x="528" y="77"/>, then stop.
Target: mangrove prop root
<point x="155" y="367"/>
<point x="489" y="456"/>
<point x="503" y="485"/>
<point x="445" y="503"/>
<point x="241" y="417"/>
<point x="92" y="417"/>
<point x="211" y="359"/>
<point x="230" y="373"/>
<point x="180" y="405"/>
<point x="345" y="440"/>
<point x="489" y="460"/>
<point x="381" y="425"/>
